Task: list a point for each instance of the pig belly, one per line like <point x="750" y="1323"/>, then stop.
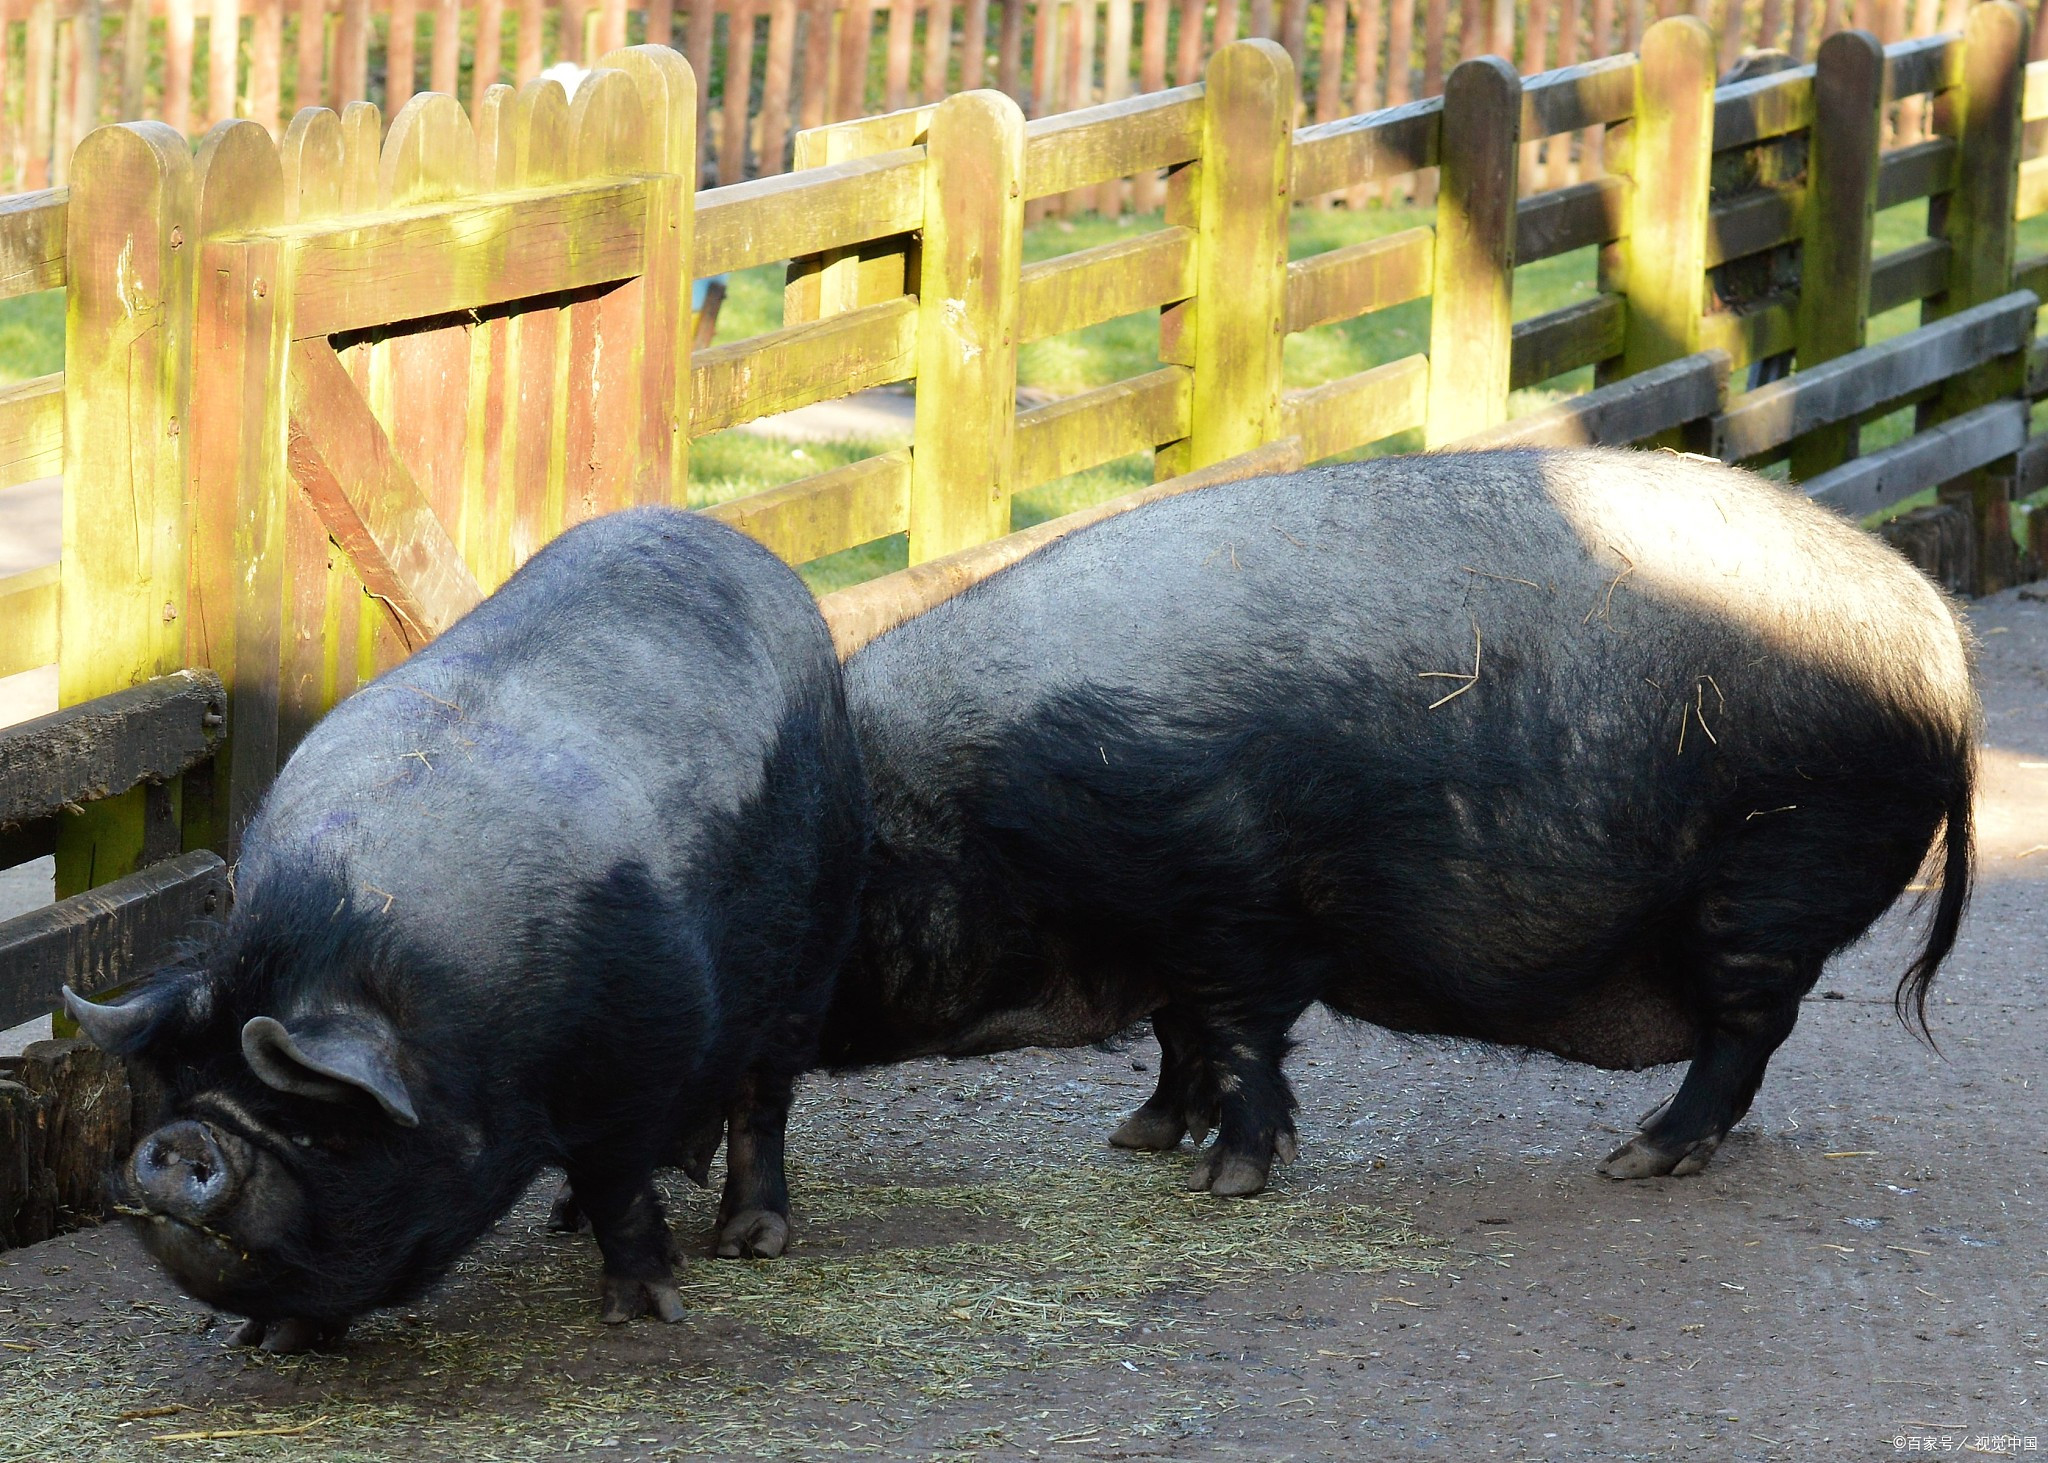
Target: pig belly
<point x="1628" y="1021"/>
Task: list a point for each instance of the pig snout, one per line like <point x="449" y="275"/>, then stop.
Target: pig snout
<point x="183" y="1171"/>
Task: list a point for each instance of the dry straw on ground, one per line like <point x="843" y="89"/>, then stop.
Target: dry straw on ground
<point x="1064" y="1267"/>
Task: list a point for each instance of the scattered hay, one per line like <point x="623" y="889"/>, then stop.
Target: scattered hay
<point x="877" y="1315"/>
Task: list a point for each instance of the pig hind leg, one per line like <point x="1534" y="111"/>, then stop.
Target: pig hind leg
<point x="633" y="1235"/>
<point x="753" y="1212"/>
<point x="1754" y="947"/>
<point x="1185" y="1101"/>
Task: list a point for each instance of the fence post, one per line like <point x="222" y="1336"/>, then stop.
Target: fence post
<point x="1982" y="114"/>
<point x="128" y="318"/>
<point x="1240" y="309"/>
<point x="1472" y="317"/>
<point x="1841" y="209"/>
<point x="241" y="318"/>
<point x="1670" y="156"/>
<point x="962" y="460"/>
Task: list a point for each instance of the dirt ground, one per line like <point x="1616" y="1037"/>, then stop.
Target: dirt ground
<point x="1861" y="1273"/>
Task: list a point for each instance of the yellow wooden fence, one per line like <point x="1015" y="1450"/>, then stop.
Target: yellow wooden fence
<point x="324" y="392"/>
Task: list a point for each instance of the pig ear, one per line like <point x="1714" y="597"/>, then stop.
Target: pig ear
<point x="125" y="1030"/>
<point x="329" y="1060"/>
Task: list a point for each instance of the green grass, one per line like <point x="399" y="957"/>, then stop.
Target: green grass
<point x="31" y="336"/>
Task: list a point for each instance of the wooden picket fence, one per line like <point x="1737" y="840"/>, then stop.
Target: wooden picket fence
<point x="323" y="393"/>
<point x="67" y="65"/>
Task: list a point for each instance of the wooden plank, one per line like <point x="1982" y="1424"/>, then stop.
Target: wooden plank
<point x="799" y="364"/>
<point x="2031" y="198"/>
<point x="341" y="458"/>
<point x="859" y="614"/>
<point x="1241" y="264"/>
<point x="1108" y="282"/>
<point x="349" y="81"/>
<point x="1357" y="410"/>
<point x="1753" y="222"/>
<point x="974" y="47"/>
<point x="1590" y="94"/>
<point x="897" y="42"/>
<point x="357" y="272"/>
<point x="28" y="620"/>
<point x="1668" y="206"/>
<point x="101" y="748"/>
<point x="401" y="55"/>
<point x="237" y="500"/>
<point x="1368" y="18"/>
<point x="1875" y="482"/>
<point x="1357" y="279"/>
<point x="963" y="457"/>
<point x="744" y="224"/>
<point x="666" y="142"/>
<point x="1916" y="171"/>
<point x="1923" y="64"/>
<point x="739" y="70"/>
<point x="177" y="93"/>
<point x="1848" y="385"/>
<point x="1912" y="273"/>
<point x="1354" y="150"/>
<point x="1583" y="334"/>
<point x="223" y="38"/>
<point x="1763" y="107"/>
<point x="1570" y="218"/>
<point x="821" y="515"/>
<point x="1082" y="148"/>
<point x="1839" y="224"/>
<point x="266" y="62"/>
<point x="122" y="613"/>
<point x="938" y="46"/>
<point x="1098" y="426"/>
<point x="1753" y="335"/>
<point x="32" y="430"/>
<point x="32" y="241"/>
<point x="1647" y="405"/>
<point x="776" y="80"/>
<point x="1472" y="315"/>
<point x="2034" y="93"/>
<point x="96" y="940"/>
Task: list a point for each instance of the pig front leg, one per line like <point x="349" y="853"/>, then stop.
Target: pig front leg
<point x="634" y="1238"/>
<point x="753" y="1213"/>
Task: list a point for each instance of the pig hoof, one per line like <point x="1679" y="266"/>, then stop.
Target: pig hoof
<point x="753" y="1234"/>
<point x="289" y="1336"/>
<point x="1695" y="1157"/>
<point x="1226" y="1175"/>
<point x="625" y="1298"/>
<point x="1149" y="1130"/>
<point x="565" y="1215"/>
<point x="1639" y="1158"/>
<point x="1285" y="1146"/>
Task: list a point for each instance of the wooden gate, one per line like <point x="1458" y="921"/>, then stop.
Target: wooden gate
<point x="414" y="359"/>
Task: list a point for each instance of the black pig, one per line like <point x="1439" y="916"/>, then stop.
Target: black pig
<point x="572" y="881"/>
<point x="1599" y="753"/>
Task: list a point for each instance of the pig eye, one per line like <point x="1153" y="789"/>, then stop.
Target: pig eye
<point x="301" y="1140"/>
